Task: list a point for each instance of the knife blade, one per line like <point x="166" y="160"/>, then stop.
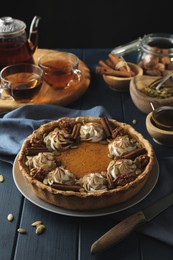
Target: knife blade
<point x="129" y="224"/>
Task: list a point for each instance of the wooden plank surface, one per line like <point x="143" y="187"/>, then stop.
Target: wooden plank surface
<point x="11" y="202"/>
<point x="66" y="237"/>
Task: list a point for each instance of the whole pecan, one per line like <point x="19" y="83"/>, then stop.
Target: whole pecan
<point x="118" y="131"/>
<point x="63" y="124"/>
<point x="141" y="161"/>
<point x="123" y="180"/>
<point x="38" y="173"/>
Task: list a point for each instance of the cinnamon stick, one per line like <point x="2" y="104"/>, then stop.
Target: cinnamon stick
<point x="66" y="187"/>
<point x="106" y="126"/>
<point x="111" y="72"/>
<point x="76" y="130"/>
<point x="110" y="63"/>
<point x="30" y="151"/>
<point x="115" y="60"/>
<point x="104" y="64"/>
<point x="134" y="153"/>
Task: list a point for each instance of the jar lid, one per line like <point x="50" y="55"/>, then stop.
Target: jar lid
<point x="128" y="48"/>
<point x="155" y="42"/>
<point x="10" y="26"/>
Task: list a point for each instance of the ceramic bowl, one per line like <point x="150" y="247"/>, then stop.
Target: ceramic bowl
<point x="159" y="135"/>
<point x="142" y="100"/>
<point x="122" y="83"/>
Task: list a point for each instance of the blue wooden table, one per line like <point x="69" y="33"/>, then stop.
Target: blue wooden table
<point x="70" y="237"/>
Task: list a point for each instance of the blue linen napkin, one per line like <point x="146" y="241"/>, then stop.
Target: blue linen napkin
<point x="16" y="125"/>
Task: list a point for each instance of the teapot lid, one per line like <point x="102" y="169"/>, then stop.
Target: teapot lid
<point x="10" y="26"/>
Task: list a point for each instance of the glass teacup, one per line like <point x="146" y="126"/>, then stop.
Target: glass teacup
<point x="21" y="81"/>
<point x="60" y="69"/>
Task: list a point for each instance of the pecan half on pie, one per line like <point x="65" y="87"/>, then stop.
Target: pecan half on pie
<point x="86" y="163"/>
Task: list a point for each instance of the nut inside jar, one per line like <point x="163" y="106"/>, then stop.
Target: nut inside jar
<point x="156" y="54"/>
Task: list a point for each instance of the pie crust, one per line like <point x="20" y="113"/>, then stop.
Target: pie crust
<point x="83" y="157"/>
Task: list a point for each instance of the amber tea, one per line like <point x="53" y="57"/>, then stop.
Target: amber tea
<point x="12" y="53"/>
<point x="21" y="81"/>
<point x="23" y="85"/>
<point x="59" y="73"/>
<point x="60" y="69"/>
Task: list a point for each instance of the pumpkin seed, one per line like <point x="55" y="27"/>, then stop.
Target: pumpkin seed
<point x="21" y="230"/>
<point x="103" y="142"/>
<point x="10" y="217"/>
<point x="134" y="121"/>
<point x="45" y="181"/>
<point x="1" y="178"/>
<point x="40" y="229"/>
<point x="36" y="223"/>
<point x="110" y="156"/>
<point x="73" y="146"/>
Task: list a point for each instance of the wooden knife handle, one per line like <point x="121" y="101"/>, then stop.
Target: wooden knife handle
<point x="118" y="232"/>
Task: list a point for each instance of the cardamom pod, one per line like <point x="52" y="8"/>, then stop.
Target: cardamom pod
<point x="36" y="223"/>
<point x="21" y="230"/>
<point x="40" y="229"/>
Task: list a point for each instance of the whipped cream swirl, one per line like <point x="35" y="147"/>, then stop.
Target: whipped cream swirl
<point x="61" y="175"/>
<point x="45" y="161"/>
<point x="121" y="167"/>
<point x="112" y="170"/>
<point x="94" y="182"/>
<point x="121" y="145"/>
<point x="126" y="166"/>
<point x="58" y="139"/>
<point x="92" y="132"/>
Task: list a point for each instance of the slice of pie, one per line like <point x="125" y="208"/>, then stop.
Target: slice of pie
<point x="86" y="163"/>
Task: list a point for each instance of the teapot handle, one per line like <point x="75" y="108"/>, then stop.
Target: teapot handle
<point x="33" y="33"/>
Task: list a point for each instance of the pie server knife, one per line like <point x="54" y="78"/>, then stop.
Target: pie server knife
<point x="126" y="226"/>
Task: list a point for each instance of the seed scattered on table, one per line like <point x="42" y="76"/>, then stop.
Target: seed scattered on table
<point x="1" y="178"/>
<point x="40" y="227"/>
<point x="36" y="223"/>
<point x="10" y="217"/>
<point x="134" y="121"/>
<point x="21" y="230"/>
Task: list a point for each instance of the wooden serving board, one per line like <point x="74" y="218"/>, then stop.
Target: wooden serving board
<point x="48" y="95"/>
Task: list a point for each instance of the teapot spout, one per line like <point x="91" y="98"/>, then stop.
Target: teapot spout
<point x="33" y="33"/>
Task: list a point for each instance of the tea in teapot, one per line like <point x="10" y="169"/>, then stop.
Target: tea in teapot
<point x="14" y="45"/>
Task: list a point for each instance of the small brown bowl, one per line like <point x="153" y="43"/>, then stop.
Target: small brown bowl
<point x="159" y="135"/>
<point x="163" y="117"/>
<point x="122" y="83"/>
<point x="142" y="100"/>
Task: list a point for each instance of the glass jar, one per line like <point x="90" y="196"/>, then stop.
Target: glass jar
<point x="156" y="54"/>
<point x="153" y="52"/>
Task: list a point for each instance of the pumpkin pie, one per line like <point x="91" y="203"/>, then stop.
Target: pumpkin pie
<point x="86" y="163"/>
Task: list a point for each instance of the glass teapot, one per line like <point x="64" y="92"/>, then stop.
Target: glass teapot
<point x="14" y="45"/>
